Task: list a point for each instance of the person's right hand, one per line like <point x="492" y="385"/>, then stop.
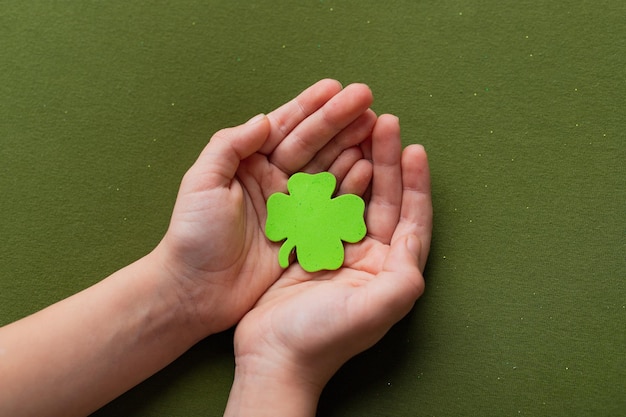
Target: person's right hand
<point x="308" y="324"/>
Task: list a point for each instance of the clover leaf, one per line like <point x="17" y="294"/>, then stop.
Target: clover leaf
<point x="313" y="223"/>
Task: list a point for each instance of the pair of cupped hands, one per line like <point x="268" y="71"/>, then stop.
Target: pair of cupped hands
<point x="291" y="322"/>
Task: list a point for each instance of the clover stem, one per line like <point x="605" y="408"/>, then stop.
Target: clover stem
<point x="284" y="252"/>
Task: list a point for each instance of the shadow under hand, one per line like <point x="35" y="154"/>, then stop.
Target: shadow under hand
<point x="365" y="375"/>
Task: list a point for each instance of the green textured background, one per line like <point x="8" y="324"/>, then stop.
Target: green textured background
<point x="521" y="105"/>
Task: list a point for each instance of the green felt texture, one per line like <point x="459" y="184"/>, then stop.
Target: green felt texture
<point x="313" y="222"/>
<point x="520" y="105"/>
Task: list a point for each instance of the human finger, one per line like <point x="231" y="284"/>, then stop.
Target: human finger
<point x="416" y="215"/>
<point x="366" y="148"/>
<point x="302" y="144"/>
<point x="400" y="283"/>
<point x="219" y="160"/>
<point x="357" y="179"/>
<point x="285" y="118"/>
<point x="344" y="162"/>
<point x="355" y="133"/>
<point x="383" y="211"/>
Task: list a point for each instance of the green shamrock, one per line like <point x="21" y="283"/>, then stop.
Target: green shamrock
<point x="313" y="222"/>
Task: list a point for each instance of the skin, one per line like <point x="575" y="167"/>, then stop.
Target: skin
<point x="307" y="325"/>
<point x="214" y="268"/>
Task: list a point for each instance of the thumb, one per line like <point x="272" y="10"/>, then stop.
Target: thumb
<point x="400" y="283"/>
<point x="220" y="159"/>
<point x="403" y="256"/>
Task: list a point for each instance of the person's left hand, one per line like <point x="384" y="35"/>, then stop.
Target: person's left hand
<point x="215" y="248"/>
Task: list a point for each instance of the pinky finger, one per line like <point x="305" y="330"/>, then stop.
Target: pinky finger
<point x="344" y="162"/>
<point x="358" y="179"/>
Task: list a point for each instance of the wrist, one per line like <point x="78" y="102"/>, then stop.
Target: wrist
<point x="264" y="388"/>
<point x="212" y="299"/>
<point x="179" y="295"/>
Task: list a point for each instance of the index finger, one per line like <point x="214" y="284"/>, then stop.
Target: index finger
<point x="315" y="131"/>
<point x="285" y="118"/>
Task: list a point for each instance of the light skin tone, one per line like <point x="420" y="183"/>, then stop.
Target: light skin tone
<point x="214" y="268"/>
<point x="307" y="325"/>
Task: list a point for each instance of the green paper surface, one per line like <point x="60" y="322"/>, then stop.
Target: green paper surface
<point x="313" y="223"/>
<point x="520" y="106"/>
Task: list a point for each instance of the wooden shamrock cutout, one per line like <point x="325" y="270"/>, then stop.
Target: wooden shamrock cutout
<point x="314" y="223"/>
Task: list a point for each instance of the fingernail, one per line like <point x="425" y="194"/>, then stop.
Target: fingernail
<point x="255" y="119"/>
